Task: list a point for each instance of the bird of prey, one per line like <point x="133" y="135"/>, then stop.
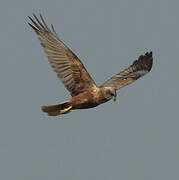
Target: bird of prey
<point x="70" y="70"/>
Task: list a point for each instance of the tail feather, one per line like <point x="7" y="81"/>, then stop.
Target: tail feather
<point x="55" y="110"/>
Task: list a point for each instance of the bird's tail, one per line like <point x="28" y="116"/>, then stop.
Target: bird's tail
<point x="55" y="110"/>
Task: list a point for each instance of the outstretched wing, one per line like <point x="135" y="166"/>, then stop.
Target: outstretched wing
<point x="138" y="69"/>
<point x="64" y="62"/>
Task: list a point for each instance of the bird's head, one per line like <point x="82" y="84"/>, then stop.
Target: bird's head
<point x="110" y="93"/>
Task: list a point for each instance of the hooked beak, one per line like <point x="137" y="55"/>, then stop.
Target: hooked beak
<point x="114" y="97"/>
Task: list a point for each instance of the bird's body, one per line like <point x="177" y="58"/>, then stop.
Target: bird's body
<point x="88" y="99"/>
<point x="85" y="99"/>
<point x="85" y="93"/>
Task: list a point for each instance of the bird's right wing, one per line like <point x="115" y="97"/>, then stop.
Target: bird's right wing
<point x="138" y="69"/>
<point x="64" y="62"/>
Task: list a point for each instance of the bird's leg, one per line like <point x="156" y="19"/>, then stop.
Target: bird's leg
<point x="66" y="110"/>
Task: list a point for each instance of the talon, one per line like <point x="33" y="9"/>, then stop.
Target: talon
<point x="65" y="110"/>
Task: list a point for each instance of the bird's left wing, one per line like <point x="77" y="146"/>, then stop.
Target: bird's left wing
<point x="138" y="69"/>
<point x="64" y="62"/>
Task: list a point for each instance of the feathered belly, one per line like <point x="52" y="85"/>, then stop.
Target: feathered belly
<point x="83" y="101"/>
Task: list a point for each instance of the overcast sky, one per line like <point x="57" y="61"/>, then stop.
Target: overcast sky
<point x="134" y="138"/>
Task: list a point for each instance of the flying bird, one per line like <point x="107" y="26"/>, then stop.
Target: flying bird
<point x="72" y="73"/>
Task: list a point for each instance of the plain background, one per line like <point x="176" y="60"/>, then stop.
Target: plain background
<point x="134" y="138"/>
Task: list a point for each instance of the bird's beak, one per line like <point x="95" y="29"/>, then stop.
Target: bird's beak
<point x="114" y="97"/>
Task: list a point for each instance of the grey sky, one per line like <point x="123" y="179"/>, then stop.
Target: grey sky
<point x="135" y="137"/>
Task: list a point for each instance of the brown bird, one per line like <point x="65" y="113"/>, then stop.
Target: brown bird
<point x="85" y="93"/>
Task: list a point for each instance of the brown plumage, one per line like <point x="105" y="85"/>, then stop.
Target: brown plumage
<point x="85" y="93"/>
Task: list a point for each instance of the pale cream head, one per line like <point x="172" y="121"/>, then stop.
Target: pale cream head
<point x="110" y="93"/>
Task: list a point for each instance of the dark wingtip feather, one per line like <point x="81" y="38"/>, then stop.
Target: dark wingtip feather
<point x="144" y="62"/>
<point x="44" y="23"/>
<point x="38" y="24"/>
<point x="37" y="27"/>
<point x="32" y="26"/>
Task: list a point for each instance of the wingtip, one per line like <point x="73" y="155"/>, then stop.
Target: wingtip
<point x="148" y="61"/>
<point x="148" y="53"/>
<point x="144" y="62"/>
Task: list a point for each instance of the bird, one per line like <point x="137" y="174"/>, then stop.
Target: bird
<point x="74" y="76"/>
